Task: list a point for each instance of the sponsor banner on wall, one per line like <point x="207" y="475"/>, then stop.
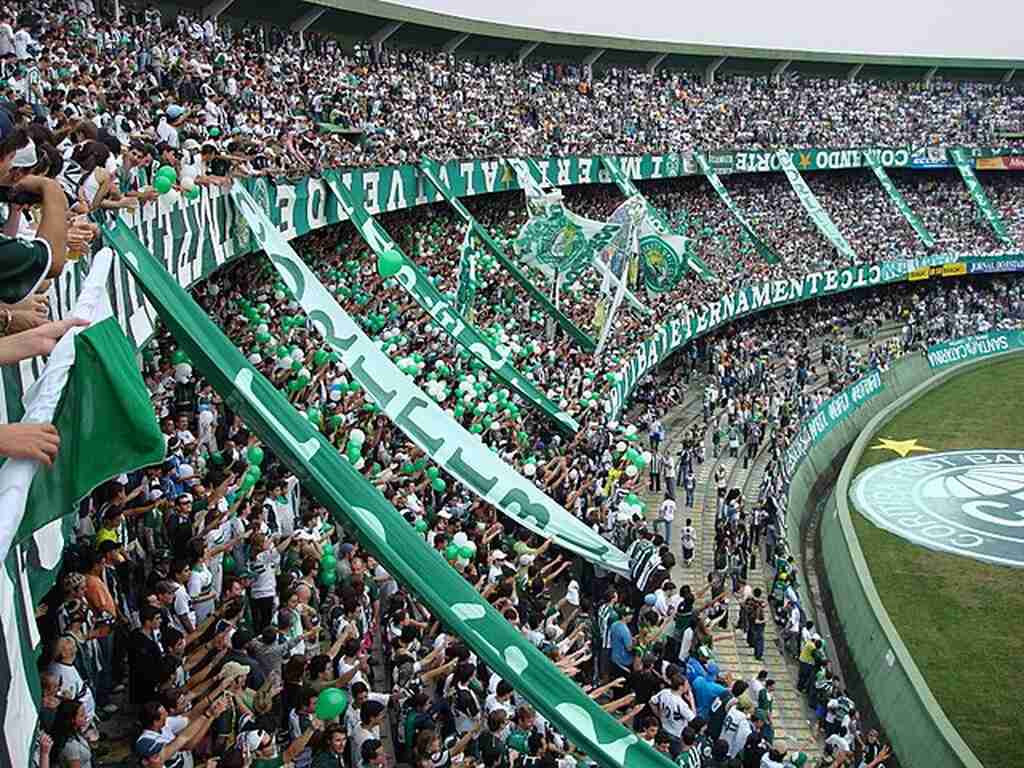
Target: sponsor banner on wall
<point x="973" y="347"/>
<point x="1012" y="163"/>
<point x="829" y="414"/>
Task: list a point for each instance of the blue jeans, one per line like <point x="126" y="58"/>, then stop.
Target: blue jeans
<point x="668" y="529"/>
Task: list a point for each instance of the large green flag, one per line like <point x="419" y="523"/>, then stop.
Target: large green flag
<point x="871" y="157"/>
<point x="723" y="194"/>
<point x="963" y="164"/>
<point x="92" y="391"/>
<point x="588" y="236"/>
<point x="436" y="433"/>
<point x="361" y="509"/>
<point x="90" y="388"/>
<point x="658" y="221"/>
<point x="432" y="172"/>
<point x="417" y="283"/>
<point x="818" y="215"/>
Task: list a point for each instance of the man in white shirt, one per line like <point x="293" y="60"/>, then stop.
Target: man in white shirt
<point x="675" y="708"/>
<point x="184" y="616"/>
<point x="666" y="514"/>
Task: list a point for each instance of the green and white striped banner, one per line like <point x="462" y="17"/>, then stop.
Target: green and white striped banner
<point x="465" y="291"/>
<point x="435" y="432"/>
<point x="415" y="281"/>
<point x="723" y="194"/>
<point x="964" y="164"/>
<point x="361" y="509"/>
<point x="875" y="164"/>
<point x="818" y="215"/>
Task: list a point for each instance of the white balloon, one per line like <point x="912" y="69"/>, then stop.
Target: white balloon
<point x="182" y="372"/>
<point x="298" y="354"/>
<point x="530" y="470"/>
<point x="460" y="538"/>
<point x="631" y="429"/>
<point x="632" y="471"/>
<point x="188" y="182"/>
<point x="357" y="436"/>
<point x="620" y="446"/>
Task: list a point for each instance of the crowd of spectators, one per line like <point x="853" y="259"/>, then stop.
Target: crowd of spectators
<point x="199" y="607"/>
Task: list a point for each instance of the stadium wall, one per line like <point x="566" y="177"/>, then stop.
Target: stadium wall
<point x="919" y="730"/>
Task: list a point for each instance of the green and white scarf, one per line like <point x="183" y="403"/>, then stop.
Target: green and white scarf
<point x="818" y="215"/>
<point x="723" y="194"/>
<point x="871" y="157"/>
<point x="963" y="164"/>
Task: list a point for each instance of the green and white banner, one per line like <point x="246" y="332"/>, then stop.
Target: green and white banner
<point x="875" y="164"/>
<point x="965" y="164"/>
<point x="431" y="172"/>
<point x="392" y="262"/>
<point x="694" y="322"/>
<point x="810" y="203"/>
<point x="435" y="432"/>
<point x="465" y="291"/>
<point x="618" y="254"/>
<point x="550" y="221"/>
<point x="829" y="414"/>
<point x="91" y="390"/>
<point x="760" y="245"/>
<point x="628" y="188"/>
<point x="974" y="347"/>
<point x="361" y="509"/>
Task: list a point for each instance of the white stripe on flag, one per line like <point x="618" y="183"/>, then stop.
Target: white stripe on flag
<point x="43" y="396"/>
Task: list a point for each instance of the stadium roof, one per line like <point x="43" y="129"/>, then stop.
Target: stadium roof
<point x="406" y="26"/>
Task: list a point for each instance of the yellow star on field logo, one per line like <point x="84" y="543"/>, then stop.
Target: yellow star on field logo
<point x="805" y="160"/>
<point x="902" y="447"/>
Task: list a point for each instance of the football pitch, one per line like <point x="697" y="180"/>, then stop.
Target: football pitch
<point x="961" y="619"/>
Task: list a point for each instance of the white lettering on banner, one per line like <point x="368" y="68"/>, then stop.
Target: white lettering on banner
<point x="586" y="168"/>
<point x="630" y="167"/>
<point x="396" y="192"/>
<point x="286" y="210"/>
<point x="564" y="171"/>
<point x="466" y="172"/>
<point x="657" y="161"/>
<point x="490" y="172"/>
<point x="371" y="191"/>
<point x="761" y="295"/>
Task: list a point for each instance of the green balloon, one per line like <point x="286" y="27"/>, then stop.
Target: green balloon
<point x="255" y="473"/>
<point x="255" y="455"/>
<point x="389" y="263"/>
<point x="162" y="184"/>
<point x="438" y="484"/>
<point x="193" y="193"/>
<point x="328" y="579"/>
<point x="465" y="553"/>
<point x="451" y="551"/>
<point x="229" y="564"/>
<point x="432" y="472"/>
<point x="168" y="171"/>
<point x="320" y="358"/>
<point x="421" y="525"/>
<point x="178" y="357"/>
<point x="328" y="563"/>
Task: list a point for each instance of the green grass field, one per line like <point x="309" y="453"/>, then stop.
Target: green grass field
<point x="962" y="620"/>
